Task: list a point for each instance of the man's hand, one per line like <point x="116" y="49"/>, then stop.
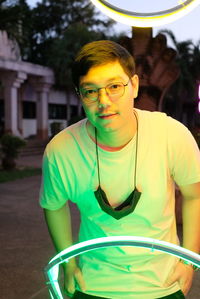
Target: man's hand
<point x="72" y="276"/>
<point x="183" y="274"/>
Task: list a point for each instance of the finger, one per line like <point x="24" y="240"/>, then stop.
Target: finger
<point x="185" y="287"/>
<point x="70" y="285"/>
<point x="170" y="280"/>
<point x="79" y="279"/>
<point x="68" y="294"/>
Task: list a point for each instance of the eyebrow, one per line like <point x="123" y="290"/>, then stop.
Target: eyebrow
<point x="109" y="80"/>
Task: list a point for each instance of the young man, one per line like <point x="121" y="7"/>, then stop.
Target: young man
<point x="120" y="166"/>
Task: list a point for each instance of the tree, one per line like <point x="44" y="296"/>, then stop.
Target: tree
<point x="52" y="18"/>
<point x="195" y="62"/>
<point x="15" y="19"/>
<point x="35" y="29"/>
<point x="184" y="90"/>
<point x="10" y="146"/>
<point x="62" y="50"/>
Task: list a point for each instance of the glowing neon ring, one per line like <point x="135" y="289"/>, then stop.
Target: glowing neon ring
<point x="51" y="270"/>
<point x="150" y="19"/>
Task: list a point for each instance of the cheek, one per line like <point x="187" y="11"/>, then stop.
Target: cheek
<point x="126" y="105"/>
<point x="90" y="112"/>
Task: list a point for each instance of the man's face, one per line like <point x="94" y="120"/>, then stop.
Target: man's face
<point x="108" y="113"/>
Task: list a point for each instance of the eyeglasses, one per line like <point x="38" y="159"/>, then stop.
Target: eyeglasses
<point x="114" y="90"/>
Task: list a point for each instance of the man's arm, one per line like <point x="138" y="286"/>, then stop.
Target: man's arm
<point x="191" y="216"/>
<point x="59" y="226"/>
<point x="191" y="235"/>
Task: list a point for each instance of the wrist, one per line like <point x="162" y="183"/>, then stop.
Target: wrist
<point x="195" y="268"/>
<point x="70" y="264"/>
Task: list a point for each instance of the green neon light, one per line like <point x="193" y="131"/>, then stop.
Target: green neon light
<point x="150" y="19"/>
<point x="51" y="270"/>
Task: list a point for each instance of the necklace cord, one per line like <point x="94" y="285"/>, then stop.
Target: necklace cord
<point x="97" y="155"/>
<point x="136" y="151"/>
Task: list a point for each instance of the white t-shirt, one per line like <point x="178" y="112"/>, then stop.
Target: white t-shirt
<point x="167" y="153"/>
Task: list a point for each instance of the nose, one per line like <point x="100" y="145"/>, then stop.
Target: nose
<point x="103" y="98"/>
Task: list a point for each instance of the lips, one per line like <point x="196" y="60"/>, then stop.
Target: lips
<point x="107" y="115"/>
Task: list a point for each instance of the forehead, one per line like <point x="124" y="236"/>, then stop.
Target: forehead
<point x="103" y="74"/>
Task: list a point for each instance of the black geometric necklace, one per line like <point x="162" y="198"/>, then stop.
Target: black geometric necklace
<point x="129" y="205"/>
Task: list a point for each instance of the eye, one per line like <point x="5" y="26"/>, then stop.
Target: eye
<point x="89" y="92"/>
<point x="115" y="86"/>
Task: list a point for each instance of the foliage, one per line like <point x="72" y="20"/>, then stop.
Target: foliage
<point x="184" y="58"/>
<point x="65" y="49"/>
<point x="195" y="62"/>
<point x="184" y="90"/>
<point x="35" y="29"/>
<point x="53" y="31"/>
<point x="60" y="29"/>
<point x="10" y="145"/>
<point x="52" y="18"/>
<point x="6" y="176"/>
<point x="16" y="19"/>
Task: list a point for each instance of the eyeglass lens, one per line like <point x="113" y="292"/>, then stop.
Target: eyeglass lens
<point x="115" y="89"/>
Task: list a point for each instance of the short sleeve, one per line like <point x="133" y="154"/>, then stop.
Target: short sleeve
<point x="184" y="154"/>
<point x="52" y="192"/>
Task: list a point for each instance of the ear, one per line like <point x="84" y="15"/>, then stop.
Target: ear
<point x="77" y="91"/>
<point x="135" y="84"/>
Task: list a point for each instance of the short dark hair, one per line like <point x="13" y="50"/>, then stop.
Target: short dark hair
<point x="101" y="52"/>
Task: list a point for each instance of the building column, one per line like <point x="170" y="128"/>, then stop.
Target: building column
<point x="20" y="109"/>
<point x="12" y="82"/>
<point x="42" y="112"/>
<point x="42" y="87"/>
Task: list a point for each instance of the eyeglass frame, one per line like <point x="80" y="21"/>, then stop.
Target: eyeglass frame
<point x="97" y="90"/>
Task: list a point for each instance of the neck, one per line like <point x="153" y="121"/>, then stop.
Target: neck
<point x="114" y="140"/>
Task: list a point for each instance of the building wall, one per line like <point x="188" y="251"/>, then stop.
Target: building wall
<point x="56" y="100"/>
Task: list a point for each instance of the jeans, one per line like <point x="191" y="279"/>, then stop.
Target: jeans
<point x="79" y="295"/>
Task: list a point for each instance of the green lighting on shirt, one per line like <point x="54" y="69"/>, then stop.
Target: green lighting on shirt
<point x="51" y="270"/>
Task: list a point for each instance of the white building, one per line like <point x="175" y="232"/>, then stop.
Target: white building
<point x="29" y="103"/>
